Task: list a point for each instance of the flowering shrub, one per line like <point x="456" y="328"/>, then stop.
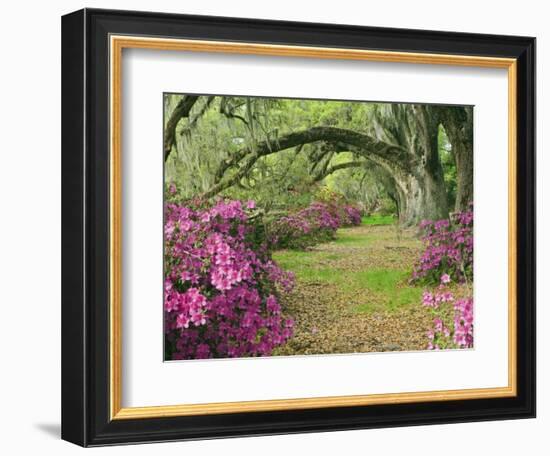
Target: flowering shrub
<point x="449" y="249"/>
<point x="321" y="217"/>
<point x="351" y="216"/>
<point x="309" y="226"/>
<point x="314" y="224"/>
<point x="221" y="287"/>
<point x="348" y="214"/>
<point x="443" y="336"/>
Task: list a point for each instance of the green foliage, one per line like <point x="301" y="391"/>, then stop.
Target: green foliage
<point x="386" y="207"/>
<point x="218" y="127"/>
<point x="279" y="182"/>
<point x="362" y="185"/>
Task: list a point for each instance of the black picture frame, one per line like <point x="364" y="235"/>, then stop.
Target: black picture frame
<point x="85" y="227"/>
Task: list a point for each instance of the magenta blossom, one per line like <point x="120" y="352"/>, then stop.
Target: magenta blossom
<point x="221" y="290"/>
<point x="449" y="251"/>
<point x="456" y="334"/>
<point x="316" y="223"/>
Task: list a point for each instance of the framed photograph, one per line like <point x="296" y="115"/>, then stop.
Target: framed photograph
<point x="279" y="227"/>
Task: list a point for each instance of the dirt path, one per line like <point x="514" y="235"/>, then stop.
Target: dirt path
<point x="352" y="294"/>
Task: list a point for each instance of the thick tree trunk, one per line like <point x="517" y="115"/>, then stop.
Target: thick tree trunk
<point x="458" y="124"/>
<point x="464" y="177"/>
<point x="421" y="187"/>
<point x="421" y="196"/>
<point x="435" y="206"/>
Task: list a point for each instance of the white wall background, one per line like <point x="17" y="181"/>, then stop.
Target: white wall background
<point x="30" y="194"/>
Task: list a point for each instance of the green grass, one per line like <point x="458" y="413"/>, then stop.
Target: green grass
<point x="374" y="289"/>
<point x="350" y="239"/>
<point x="377" y="220"/>
<point x="391" y="290"/>
<point x="366" y="290"/>
<point x="295" y="260"/>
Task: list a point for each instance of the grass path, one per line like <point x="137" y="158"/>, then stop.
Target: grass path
<point x="352" y="294"/>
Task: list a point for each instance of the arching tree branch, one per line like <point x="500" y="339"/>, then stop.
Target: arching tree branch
<point x="229" y="111"/>
<point x="395" y="153"/>
<point x="197" y="115"/>
<point x="342" y="138"/>
<point x="180" y="111"/>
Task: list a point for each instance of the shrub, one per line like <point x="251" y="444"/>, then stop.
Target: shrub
<point x="348" y="214"/>
<point x="307" y="227"/>
<point x="449" y="249"/>
<point x="221" y="288"/>
<point x="325" y="195"/>
<point x="312" y="225"/>
<point x="351" y="216"/>
<point x="292" y="232"/>
<point x="444" y="335"/>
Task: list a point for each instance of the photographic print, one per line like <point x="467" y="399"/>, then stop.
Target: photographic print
<point x="307" y="227"/>
<point x="320" y="229"/>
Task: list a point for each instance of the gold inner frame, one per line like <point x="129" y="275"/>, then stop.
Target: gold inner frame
<point x="117" y="44"/>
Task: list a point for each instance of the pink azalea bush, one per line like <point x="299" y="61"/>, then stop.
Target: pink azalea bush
<point x="350" y="215"/>
<point x="312" y="225"/>
<point x="306" y="227"/>
<point x="221" y="288"/>
<point x="449" y="248"/>
<point x="458" y="333"/>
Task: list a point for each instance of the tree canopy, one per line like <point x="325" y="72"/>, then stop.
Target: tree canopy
<point x="415" y="159"/>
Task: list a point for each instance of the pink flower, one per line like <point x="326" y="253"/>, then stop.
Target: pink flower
<point x="448" y="249"/>
<point x="428" y="299"/>
<point x="223" y="259"/>
<point x="444" y="335"/>
<point x="203" y="351"/>
<point x="221" y="290"/>
<point x="182" y="321"/>
<point x="272" y="305"/>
